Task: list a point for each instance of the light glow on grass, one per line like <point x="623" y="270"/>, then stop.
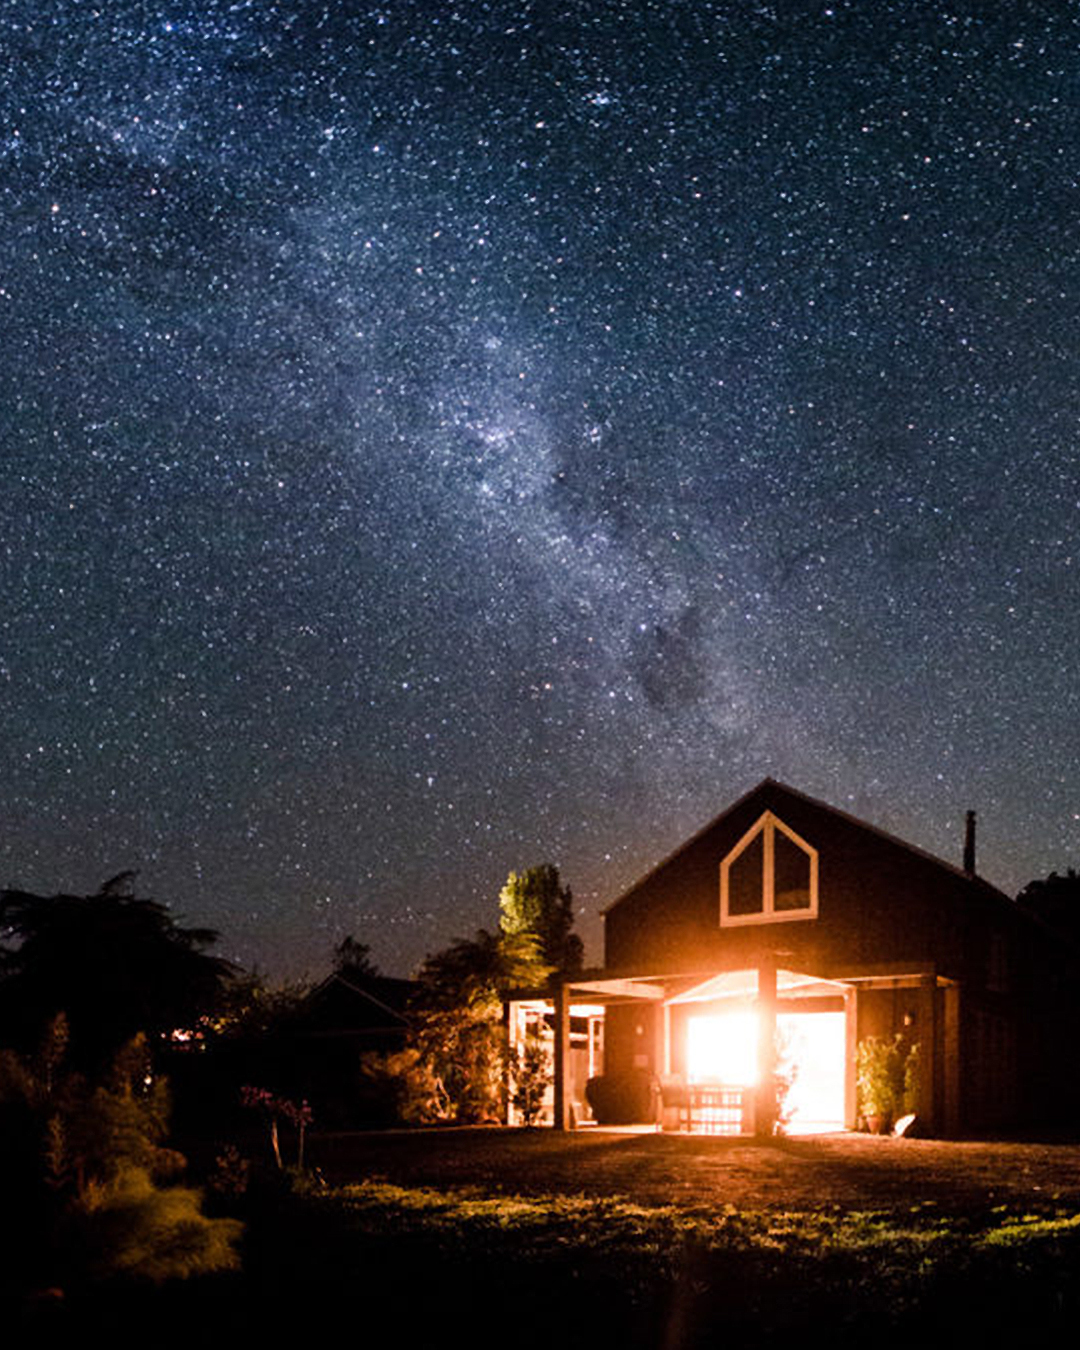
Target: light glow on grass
<point x="625" y="1273"/>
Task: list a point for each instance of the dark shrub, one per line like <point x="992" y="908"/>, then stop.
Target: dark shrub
<point x="629" y="1098"/>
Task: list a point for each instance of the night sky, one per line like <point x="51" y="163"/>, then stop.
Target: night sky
<point x="441" y="438"/>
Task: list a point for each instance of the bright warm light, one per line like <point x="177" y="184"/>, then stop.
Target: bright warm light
<point x="815" y="1044"/>
<point x="723" y="1049"/>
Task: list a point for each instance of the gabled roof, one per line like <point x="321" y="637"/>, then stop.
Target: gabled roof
<point x="365" y="1002"/>
<point x="774" y="784"/>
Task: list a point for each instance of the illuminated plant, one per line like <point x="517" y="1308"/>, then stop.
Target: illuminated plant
<point x="298" y="1114"/>
<point x="88" y="1182"/>
<point x="531" y="1073"/>
<point x="886" y="1076"/>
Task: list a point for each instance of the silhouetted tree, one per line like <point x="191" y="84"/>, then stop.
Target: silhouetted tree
<point x="1056" y="901"/>
<point x="116" y="965"/>
<point x="352" y="958"/>
<point x="535" y="902"/>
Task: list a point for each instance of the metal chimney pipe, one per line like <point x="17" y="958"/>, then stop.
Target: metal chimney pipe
<point x="969" y="844"/>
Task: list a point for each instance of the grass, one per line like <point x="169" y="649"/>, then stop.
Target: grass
<point x="567" y="1270"/>
<point x="443" y="1265"/>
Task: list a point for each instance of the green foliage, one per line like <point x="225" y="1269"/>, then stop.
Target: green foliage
<point x="84" y="1164"/>
<point x="879" y="1074"/>
<point x="462" y="1051"/>
<point x="530" y="1071"/>
<point x="629" y="1273"/>
<point x="410" y="1086"/>
<point x="455" y="1066"/>
<point x="887" y="1077"/>
<point x="129" y="1225"/>
<point x="457" y="1030"/>
<point x="82" y="1130"/>
<point x="535" y="903"/>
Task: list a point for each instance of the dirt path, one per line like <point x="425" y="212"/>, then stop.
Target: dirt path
<point x="846" y="1171"/>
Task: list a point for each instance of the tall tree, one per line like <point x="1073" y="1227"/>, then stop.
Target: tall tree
<point x="456" y="1062"/>
<point x="535" y="902"/>
<point x="456" y="1017"/>
<point x="353" y="958"/>
<point x="114" y="964"/>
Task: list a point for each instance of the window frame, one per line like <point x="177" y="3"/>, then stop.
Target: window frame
<point x="766" y="825"/>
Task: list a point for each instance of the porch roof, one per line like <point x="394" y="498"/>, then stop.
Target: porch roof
<point x="596" y="987"/>
<point x="744" y="984"/>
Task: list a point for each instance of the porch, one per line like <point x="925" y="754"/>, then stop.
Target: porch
<point x="726" y="1052"/>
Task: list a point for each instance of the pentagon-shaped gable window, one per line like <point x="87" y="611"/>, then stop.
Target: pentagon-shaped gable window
<point x="770" y="876"/>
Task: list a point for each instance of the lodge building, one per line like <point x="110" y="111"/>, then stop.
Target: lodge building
<point x="781" y="938"/>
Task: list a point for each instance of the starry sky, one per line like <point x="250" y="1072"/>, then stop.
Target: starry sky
<point x="438" y="438"/>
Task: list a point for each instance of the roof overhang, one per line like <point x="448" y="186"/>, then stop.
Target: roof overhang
<point x="744" y="984"/>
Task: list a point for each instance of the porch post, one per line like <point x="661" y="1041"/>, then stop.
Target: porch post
<point x="851" y="1044"/>
<point x="510" y="1021"/>
<point x="926" y="1037"/>
<point x="765" y="1115"/>
<point x="562" y="1119"/>
<point x="662" y="1053"/>
<point x="953" y="1113"/>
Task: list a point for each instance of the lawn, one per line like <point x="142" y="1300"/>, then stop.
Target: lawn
<point x="444" y="1237"/>
<point x="700" y="1172"/>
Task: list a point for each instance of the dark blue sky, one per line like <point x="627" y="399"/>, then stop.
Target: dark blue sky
<point x="439" y="439"/>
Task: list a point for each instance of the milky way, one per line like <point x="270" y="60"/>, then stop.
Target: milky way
<point x="439" y="439"/>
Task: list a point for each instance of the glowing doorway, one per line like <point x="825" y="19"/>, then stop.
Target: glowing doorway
<point x="722" y="1048"/>
<point x="814" y="1045"/>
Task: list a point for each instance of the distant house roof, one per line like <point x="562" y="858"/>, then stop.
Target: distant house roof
<point x="354" y="1004"/>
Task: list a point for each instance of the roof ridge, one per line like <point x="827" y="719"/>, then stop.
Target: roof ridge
<point x="335" y="977"/>
<point x="769" y="781"/>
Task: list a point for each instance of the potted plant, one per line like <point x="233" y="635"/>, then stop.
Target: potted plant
<point x="879" y="1077"/>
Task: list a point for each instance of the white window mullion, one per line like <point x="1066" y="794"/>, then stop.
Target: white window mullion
<point x="767" y="826"/>
<point x="767" y="868"/>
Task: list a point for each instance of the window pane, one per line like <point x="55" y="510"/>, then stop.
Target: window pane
<point x="791" y="874"/>
<point x="745" y="878"/>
